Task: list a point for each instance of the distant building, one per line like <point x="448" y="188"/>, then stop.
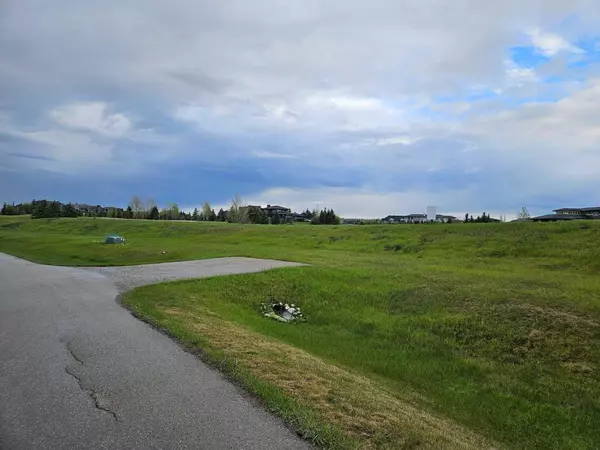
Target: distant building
<point x="86" y="210"/>
<point x="563" y="214"/>
<point x="417" y="218"/>
<point x="284" y="214"/>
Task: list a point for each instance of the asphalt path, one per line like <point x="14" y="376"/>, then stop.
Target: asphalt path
<point x="78" y="371"/>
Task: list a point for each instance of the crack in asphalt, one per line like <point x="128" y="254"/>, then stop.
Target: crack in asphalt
<point x="91" y="392"/>
<point x="73" y="355"/>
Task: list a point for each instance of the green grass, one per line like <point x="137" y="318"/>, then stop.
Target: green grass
<point x="492" y="327"/>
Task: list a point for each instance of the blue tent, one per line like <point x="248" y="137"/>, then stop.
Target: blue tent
<point x="114" y="239"/>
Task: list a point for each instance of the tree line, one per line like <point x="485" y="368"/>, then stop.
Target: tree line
<point x="39" y="209"/>
<point x="148" y="209"/>
<point x="484" y="218"/>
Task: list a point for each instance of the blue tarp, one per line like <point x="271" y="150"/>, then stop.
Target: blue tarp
<point x="114" y="239"/>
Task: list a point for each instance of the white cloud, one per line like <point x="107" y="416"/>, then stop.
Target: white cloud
<point x="60" y="151"/>
<point x="264" y="154"/>
<point x="551" y="43"/>
<point x="569" y="126"/>
<point x="404" y="140"/>
<point x="518" y="76"/>
<point x="92" y="116"/>
<point x="380" y="142"/>
<point x="342" y="102"/>
<point x="83" y="138"/>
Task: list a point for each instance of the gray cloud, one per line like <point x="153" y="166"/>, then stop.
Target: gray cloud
<point x="269" y="48"/>
<point x="335" y="84"/>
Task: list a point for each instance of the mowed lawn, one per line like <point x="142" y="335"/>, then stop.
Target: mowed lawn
<point x="418" y="336"/>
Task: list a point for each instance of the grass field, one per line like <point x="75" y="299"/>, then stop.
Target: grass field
<point x="418" y="336"/>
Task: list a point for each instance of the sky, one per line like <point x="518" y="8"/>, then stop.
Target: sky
<point x="369" y="107"/>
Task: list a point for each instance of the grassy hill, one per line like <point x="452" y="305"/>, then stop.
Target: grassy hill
<point x="418" y="336"/>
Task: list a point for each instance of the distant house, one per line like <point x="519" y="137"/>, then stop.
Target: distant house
<point x="299" y="218"/>
<point x="284" y="214"/>
<point x="563" y="214"/>
<point x="86" y="210"/>
<point x="417" y="218"/>
<point x="83" y="209"/>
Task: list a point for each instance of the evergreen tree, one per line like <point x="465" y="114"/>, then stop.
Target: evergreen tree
<point x="325" y="217"/>
<point x="54" y="209"/>
<point x="335" y="220"/>
<point x="330" y="217"/>
<point x="39" y="209"/>
<point x="221" y="215"/>
<point x="256" y="214"/>
<point x="69" y="211"/>
<point x="308" y="214"/>
<point x="153" y="213"/>
<point x="195" y="214"/>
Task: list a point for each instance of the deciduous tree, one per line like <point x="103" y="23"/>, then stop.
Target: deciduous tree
<point x="237" y="213"/>
<point x="523" y="213"/>
<point x="137" y="206"/>
<point x="206" y="211"/>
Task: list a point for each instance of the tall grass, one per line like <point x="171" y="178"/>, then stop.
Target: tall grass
<point x="495" y="327"/>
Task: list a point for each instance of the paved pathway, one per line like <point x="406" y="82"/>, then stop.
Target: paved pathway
<point x="77" y="371"/>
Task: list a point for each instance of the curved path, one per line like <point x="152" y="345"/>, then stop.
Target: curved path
<point x="78" y="371"/>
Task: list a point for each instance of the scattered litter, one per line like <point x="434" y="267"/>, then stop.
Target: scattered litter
<point x="282" y="312"/>
<point x="114" y="239"/>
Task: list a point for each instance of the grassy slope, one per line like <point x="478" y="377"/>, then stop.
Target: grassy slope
<point x="495" y="327"/>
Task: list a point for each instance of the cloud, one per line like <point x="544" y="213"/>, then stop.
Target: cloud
<point x="341" y="102"/>
<point x="364" y="97"/>
<point x="80" y="138"/>
<point x="56" y="150"/>
<point x="551" y="43"/>
<point x="567" y="129"/>
<point x="264" y="154"/>
<point x="92" y="116"/>
<point x="404" y="140"/>
<point x="518" y="76"/>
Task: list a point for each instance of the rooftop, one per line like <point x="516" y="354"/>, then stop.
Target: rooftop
<point x="418" y="216"/>
<point x="560" y="217"/>
<point x="587" y="208"/>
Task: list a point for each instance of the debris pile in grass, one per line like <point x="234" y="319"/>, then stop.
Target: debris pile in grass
<point x="282" y="312"/>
